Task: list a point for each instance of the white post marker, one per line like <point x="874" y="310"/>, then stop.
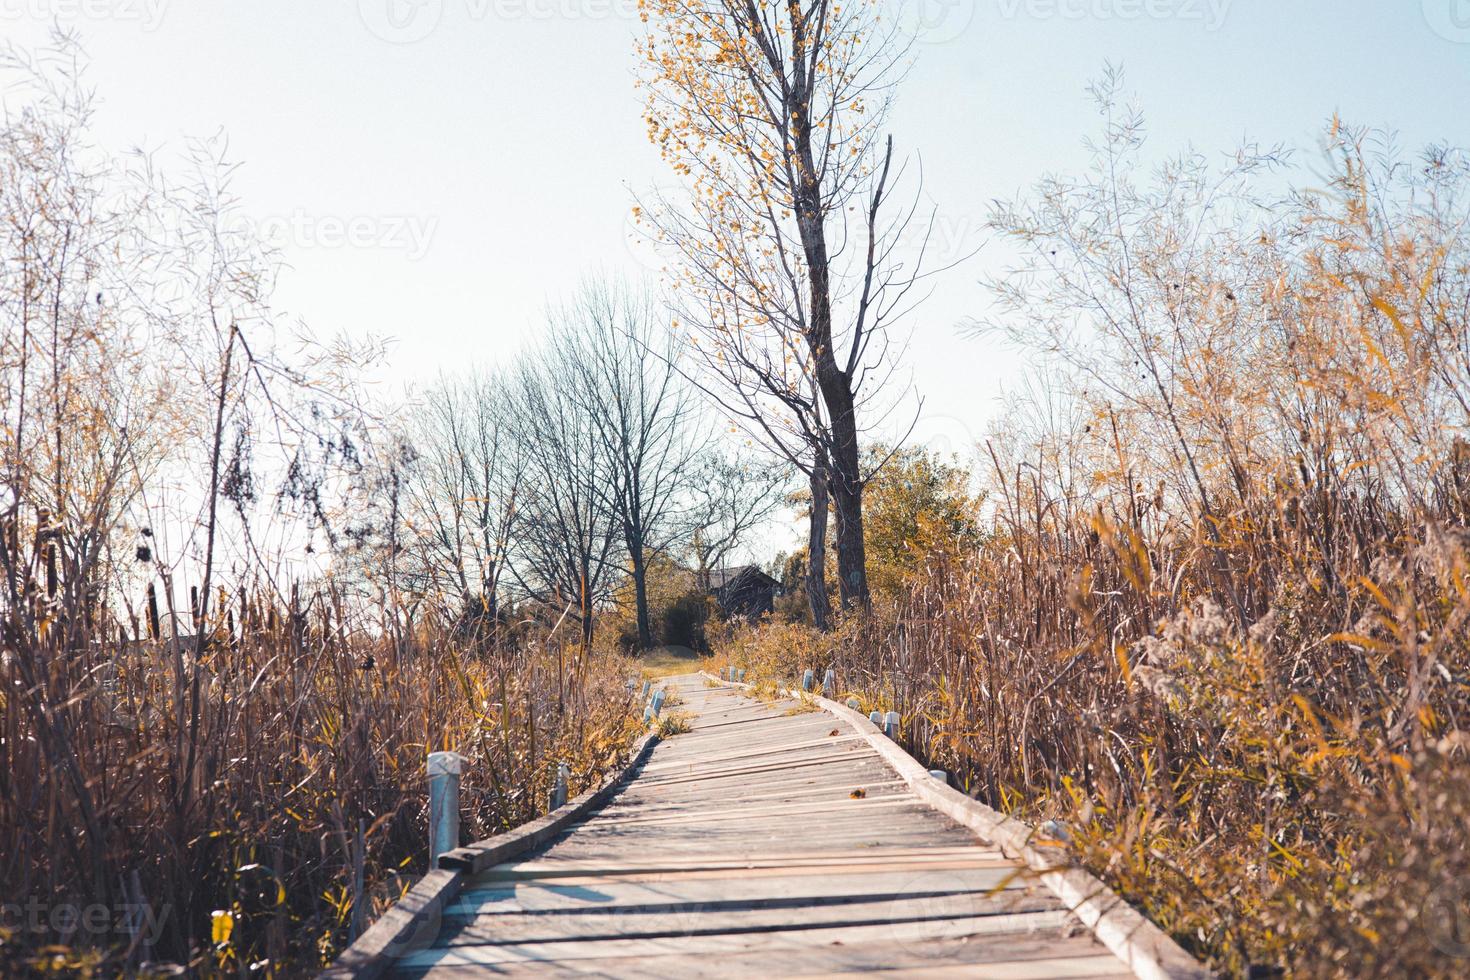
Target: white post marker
<point x="876" y="717"/>
<point x="806" y="680"/>
<point x="829" y="683"/>
<point x="654" y="706"/>
<point x="559" y="788"/>
<point x="890" y="724"/>
<point x="444" y="772"/>
<point x="940" y="775"/>
<point x="854" y="703"/>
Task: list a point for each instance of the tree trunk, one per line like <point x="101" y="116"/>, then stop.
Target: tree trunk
<point x="586" y="614"/>
<point x="816" y="552"/>
<point x="489" y="587"/>
<point x="834" y="382"/>
<point x="847" y="499"/>
<point x="584" y="609"/>
<point x="640" y="596"/>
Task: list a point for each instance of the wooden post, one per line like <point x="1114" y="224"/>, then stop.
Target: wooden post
<point x="444" y="772"/>
<point x="359" y="906"/>
<point x="559" y="788"/>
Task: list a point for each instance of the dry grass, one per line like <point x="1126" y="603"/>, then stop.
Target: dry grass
<point x="235" y="793"/>
<point x="667" y="661"/>
<point x="1219" y="625"/>
<point x="674" y="723"/>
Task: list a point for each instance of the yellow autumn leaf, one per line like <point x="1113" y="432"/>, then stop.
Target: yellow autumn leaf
<point x="222" y="926"/>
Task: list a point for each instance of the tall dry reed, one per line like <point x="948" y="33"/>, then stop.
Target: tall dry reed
<point x="254" y="805"/>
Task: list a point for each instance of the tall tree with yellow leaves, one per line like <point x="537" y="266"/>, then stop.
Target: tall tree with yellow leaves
<point x="785" y="269"/>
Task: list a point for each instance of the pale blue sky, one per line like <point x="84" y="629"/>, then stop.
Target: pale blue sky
<point x="486" y="166"/>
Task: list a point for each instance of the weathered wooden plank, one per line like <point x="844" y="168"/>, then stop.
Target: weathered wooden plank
<point x="858" y="837"/>
<point x="832" y="807"/>
<point x="858" y="771"/>
<point x="754" y="770"/>
<point x="728" y="721"/>
<point x="845" y="808"/>
<point x="710" y="725"/>
<point x="661" y="922"/>
<point x="613" y="862"/>
<point x="953" y="930"/>
<point x="566" y="875"/>
<point x="799" y="889"/>
<point x="1092" y="967"/>
<point x="1053" y="956"/>
<point x="747" y="856"/>
<point x="713" y="754"/>
<point x="651" y="803"/>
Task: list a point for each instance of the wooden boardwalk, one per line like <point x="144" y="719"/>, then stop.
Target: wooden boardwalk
<point x="767" y="840"/>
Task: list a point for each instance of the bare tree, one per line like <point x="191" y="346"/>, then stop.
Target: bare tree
<point x="463" y="493"/>
<point x="748" y="375"/>
<point x="785" y="244"/>
<point x="634" y="395"/>
<point x="566" y="537"/>
<point x="732" y="494"/>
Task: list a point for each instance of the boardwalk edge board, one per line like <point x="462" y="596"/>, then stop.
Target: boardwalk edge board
<point x="1145" y="948"/>
<point x="477" y="857"/>
<point x="413" y="922"/>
